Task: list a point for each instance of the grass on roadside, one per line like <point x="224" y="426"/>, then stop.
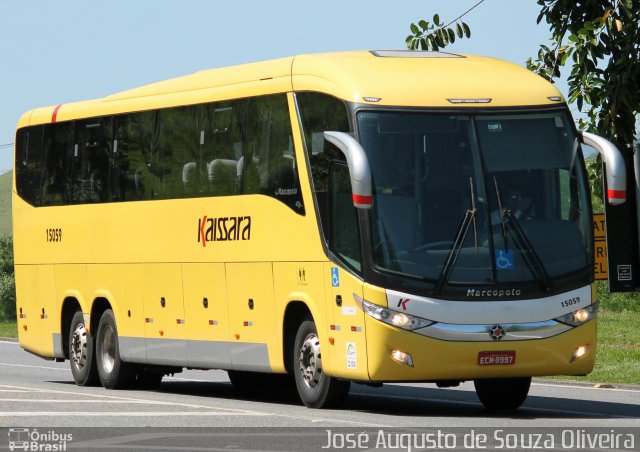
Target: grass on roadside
<point x="9" y="329"/>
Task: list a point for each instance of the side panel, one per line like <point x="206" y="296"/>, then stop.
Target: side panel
<point x="35" y="291"/>
<point x="299" y="282"/>
<point x="252" y="317"/>
<point x="206" y="315"/>
<point x="348" y="354"/>
<point x="165" y="327"/>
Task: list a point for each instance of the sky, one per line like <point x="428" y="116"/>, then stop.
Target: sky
<point x="54" y="52"/>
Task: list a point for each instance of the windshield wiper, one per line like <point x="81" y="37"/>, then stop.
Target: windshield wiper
<point x="469" y="218"/>
<point x="531" y="257"/>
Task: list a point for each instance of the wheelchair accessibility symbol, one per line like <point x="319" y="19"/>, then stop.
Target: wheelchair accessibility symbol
<point x="504" y="259"/>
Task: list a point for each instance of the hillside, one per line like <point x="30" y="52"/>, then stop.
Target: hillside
<point x="5" y="203"/>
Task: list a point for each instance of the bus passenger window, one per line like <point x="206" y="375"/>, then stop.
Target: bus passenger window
<point x="319" y="113"/>
<point x="179" y="138"/>
<point x="91" y="161"/>
<point x="268" y="165"/>
<point x="136" y="144"/>
<point x="58" y="146"/>
<point x="29" y="163"/>
<point x="220" y="148"/>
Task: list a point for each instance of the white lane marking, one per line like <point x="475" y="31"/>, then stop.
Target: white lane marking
<point x="142" y="402"/>
<point x="120" y="414"/>
<point x="153" y="402"/>
<point x="35" y="367"/>
<point x="133" y="400"/>
<point x="9" y="342"/>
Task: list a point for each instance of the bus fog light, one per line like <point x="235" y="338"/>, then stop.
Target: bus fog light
<point x="580" y="352"/>
<point x="402" y="357"/>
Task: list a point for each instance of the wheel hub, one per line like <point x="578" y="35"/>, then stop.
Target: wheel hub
<point x="79" y="346"/>
<point x="310" y="362"/>
<point x="107" y="349"/>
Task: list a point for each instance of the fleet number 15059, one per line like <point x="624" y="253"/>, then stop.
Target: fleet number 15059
<point x="54" y="235"/>
<point x="570" y="302"/>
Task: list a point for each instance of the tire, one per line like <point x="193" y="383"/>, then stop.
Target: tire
<point x="113" y="372"/>
<point x="315" y="388"/>
<point x="82" y="353"/>
<point x="502" y="393"/>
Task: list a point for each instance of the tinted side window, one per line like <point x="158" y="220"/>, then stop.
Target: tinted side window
<point x="135" y="157"/>
<point x="178" y="146"/>
<point x="28" y="164"/>
<point x="319" y="113"/>
<point x="221" y="145"/>
<point x="268" y="163"/>
<point x="58" y="147"/>
<point x="344" y="238"/>
<point x="91" y="161"/>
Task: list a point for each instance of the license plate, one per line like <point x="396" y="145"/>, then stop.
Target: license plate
<point x="502" y="358"/>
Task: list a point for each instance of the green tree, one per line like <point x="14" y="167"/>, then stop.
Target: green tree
<point x="600" y="42"/>
<point x="435" y="36"/>
<point x="7" y="281"/>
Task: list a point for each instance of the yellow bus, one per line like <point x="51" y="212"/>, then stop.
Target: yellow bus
<point x="371" y="217"/>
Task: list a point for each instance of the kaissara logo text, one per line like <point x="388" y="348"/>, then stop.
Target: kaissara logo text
<point x="223" y="229"/>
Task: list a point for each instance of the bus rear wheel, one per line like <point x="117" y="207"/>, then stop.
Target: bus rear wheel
<point x="113" y="372"/>
<point x="82" y="353"/>
<point x="315" y="388"/>
<point x="502" y="393"/>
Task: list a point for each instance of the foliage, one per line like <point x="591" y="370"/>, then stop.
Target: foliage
<point x="435" y="36"/>
<point x="7" y="281"/>
<point x="594" y="172"/>
<point x="599" y="40"/>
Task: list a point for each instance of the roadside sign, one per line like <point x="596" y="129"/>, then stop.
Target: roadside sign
<point x="600" y="247"/>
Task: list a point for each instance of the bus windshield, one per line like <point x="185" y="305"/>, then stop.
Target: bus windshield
<point x="477" y="199"/>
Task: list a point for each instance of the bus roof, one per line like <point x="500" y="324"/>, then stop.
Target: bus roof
<point x="391" y="78"/>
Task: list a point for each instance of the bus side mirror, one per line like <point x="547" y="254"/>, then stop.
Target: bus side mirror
<point x="359" y="170"/>
<point x="614" y="165"/>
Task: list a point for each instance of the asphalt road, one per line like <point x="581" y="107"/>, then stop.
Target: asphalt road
<point x="35" y="393"/>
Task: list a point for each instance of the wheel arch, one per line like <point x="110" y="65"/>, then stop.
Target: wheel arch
<point x="70" y="305"/>
<point x="295" y="312"/>
<point x="99" y="305"/>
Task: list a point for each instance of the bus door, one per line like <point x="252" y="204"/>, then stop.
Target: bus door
<point x="348" y="357"/>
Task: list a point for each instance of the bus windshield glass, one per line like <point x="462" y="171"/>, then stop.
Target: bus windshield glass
<point x="477" y="199"/>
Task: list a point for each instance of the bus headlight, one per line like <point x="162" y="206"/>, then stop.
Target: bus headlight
<point x="398" y="319"/>
<point x="580" y="316"/>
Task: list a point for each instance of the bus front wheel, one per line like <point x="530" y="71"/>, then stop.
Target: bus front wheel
<point x="114" y="373"/>
<point x="82" y="353"/>
<point x="315" y="388"/>
<point x="502" y="393"/>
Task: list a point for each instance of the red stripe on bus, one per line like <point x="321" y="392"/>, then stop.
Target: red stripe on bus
<point x="54" y="116"/>
<point x="359" y="199"/>
<point x="616" y="194"/>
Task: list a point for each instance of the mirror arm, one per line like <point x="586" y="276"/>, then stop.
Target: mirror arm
<point x="614" y="165"/>
<point x="359" y="170"/>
